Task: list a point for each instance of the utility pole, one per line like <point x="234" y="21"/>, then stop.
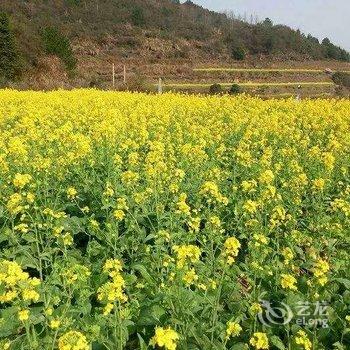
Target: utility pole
<point x="160" y="87"/>
<point x="113" y="75"/>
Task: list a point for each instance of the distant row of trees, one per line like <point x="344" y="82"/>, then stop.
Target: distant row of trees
<point x="240" y="36"/>
<point x="266" y="38"/>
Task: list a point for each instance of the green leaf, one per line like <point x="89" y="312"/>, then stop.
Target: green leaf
<point x="343" y="281"/>
<point x="346" y="331"/>
<point x="10" y="322"/>
<point x="150" y="237"/>
<point x="143" y="271"/>
<point x="143" y="345"/>
<point x="338" y="346"/>
<point x="150" y="315"/>
<point x="277" y="342"/>
<point x="97" y="346"/>
<point x="239" y="346"/>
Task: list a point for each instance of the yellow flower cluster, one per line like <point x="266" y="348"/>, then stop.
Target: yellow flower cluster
<point x="122" y="206"/>
<point x="250" y="206"/>
<point x="302" y="339"/>
<point x="210" y="190"/>
<point x="71" y="193"/>
<point x="73" y="340"/>
<point x="260" y="239"/>
<point x="20" y="180"/>
<point x="267" y="177"/>
<point x="190" y="277"/>
<point x="231" y="249"/>
<point x="5" y="345"/>
<point x="75" y="273"/>
<point x="113" y="290"/>
<point x="165" y="338"/>
<point x="182" y="206"/>
<point x="288" y="255"/>
<point x="320" y="270"/>
<point x="233" y="329"/>
<point x="112" y="267"/>
<point x="17" y="285"/>
<point x="186" y="254"/>
<point x="260" y="341"/>
<point x="318" y="184"/>
<point x="255" y="308"/>
<point x="15" y="203"/>
<point x="342" y="205"/>
<point x="23" y="315"/>
<point x="288" y="282"/>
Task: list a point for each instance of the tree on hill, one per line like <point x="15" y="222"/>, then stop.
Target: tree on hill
<point x="268" y="22"/>
<point x="334" y="52"/>
<point x="10" y="63"/>
<point x="138" y="17"/>
<point x="55" y="43"/>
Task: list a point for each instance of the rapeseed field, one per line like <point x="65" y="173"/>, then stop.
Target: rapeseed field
<point x="131" y="221"/>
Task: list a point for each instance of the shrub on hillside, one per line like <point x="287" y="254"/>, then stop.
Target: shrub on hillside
<point x="235" y="89"/>
<point x="342" y="79"/>
<point x="138" y="83"/>
<point x="215" y="89"/>
<point x="55" y="43"/>
<point x="238" y="52"/>
<point x="138" y="17"/>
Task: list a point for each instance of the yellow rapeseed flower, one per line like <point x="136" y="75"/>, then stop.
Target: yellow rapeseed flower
<point x="20" y="180"/>
<point x="233" y="329"/>
<point x="165" y="338"/>
<point x="288" y="282"/>
<point x="260" y="341"/>
<point x="73" y="340"/>
<point x="231" y="248"/>
<point x="23" y="315"/>
<point x="54" y="324"/>
<point x="187" y="254"/>
<point x="302" y="339"/>
<point x="71" y="193"/>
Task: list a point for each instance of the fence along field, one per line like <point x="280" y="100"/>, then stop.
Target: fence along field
<point x="134" y="221"/>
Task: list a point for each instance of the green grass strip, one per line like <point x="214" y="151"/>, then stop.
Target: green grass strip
<point x="264" y="70"/>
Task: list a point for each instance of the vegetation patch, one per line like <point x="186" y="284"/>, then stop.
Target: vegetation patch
<point x="215" y="89"/>
<point x="342" y="78"/>
<point x="55" y="43"/>
<point x="10" y="61"/>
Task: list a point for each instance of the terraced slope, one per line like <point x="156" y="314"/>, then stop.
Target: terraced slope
<point x="268" y="81"/>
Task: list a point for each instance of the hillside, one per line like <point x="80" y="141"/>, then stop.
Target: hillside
<point x="74" y="42"/>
